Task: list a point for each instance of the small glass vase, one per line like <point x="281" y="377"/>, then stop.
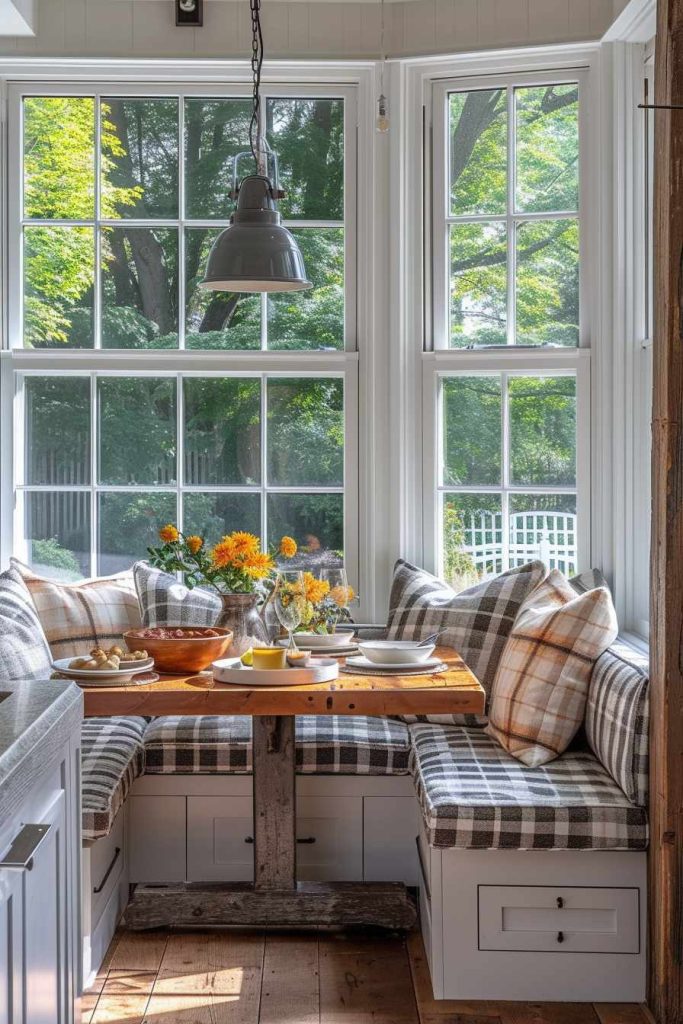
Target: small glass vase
<point x="240" y="614"/>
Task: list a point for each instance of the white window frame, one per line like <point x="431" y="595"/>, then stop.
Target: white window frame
<point x="440" y="361"/>
<point x="353" y="82"/>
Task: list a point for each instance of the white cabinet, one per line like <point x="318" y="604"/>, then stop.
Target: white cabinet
<point x="11" y="899"/>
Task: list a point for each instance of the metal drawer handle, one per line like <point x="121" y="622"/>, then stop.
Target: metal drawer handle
<point x="100" y="887"/>
<point x="22" y="851"/>
<point x="560" y="903"/>
<point x="308" y="841"/>
<point x="560" y="936"/>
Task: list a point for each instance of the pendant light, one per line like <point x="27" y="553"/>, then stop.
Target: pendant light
<point x="256" y="253"/>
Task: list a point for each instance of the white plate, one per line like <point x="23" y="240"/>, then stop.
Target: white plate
<point x="105" y="677"/>
<point x="362" y="662"/>
<point x="143" y="663"/>
<point x="325" y="641"/>
<point x="318" y="670"/>
<point x="332" y="652"/>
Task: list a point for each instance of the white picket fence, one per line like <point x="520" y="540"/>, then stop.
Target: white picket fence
<point x="550" y="536"/>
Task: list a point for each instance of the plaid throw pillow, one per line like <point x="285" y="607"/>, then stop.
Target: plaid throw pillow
<point x="24" y="653"/>
<point x="166" y="602"/>
<point x="588" y="580"/>
<point x="78" y="616"/>
<point x="539" y="694"/>
<point x="477" y="621"/>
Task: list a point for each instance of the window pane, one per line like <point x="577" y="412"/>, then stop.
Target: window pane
<point x="542" y="430"/>
<point x="547" y="148"/>
<point x="478" y="152"/>
<point x="472" y="537"/>
<point x="305" y="432"/>
<point x="58" y="533"/>
<point x="308" y="137"/>
<point x="211" y="516"/>
<point x="139" y="287"/>
<point x="129" y="524"/>
<point x="222" y="431"/>
<point x="137" y="429"/>
<point x="216" y="319"/>
<point x="548" y="283"/>
<point x="139" y="154"/>
<point x="478" y="306"/>
<point x="313" y="318"/>
<point x="57" y="442"/>
<point x="215" y="131"/>
<point x="544" y="526"/>
<point x="315" y="521"/>
<point x="59" y="157"/>
<point x="59" y="273"/>
<point x="471" y="431"/>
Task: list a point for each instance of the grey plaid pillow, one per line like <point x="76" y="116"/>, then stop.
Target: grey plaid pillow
<point x="24" y="653"/>
<point x="588" y="580"/>
<point x="166" y="602"/>
<point x="476" y="621"/>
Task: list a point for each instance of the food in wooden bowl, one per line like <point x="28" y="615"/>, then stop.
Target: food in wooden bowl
<point x="180" y="648"/>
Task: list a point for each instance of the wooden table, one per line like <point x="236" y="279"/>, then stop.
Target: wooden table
<point x="275" y="897"/>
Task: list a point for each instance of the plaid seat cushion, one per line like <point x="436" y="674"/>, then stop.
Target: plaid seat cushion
<point x="539" y="694"/>
<point x="112" y="757"/>
<point x="78" y="616"/>
<point x="24" y="653"/>
<point x="474" y="795"/>
<point x="477" y="621"/>
<point x="344" y="744"/>
<point x="617" y="718"/>
<point x="166" y="602"/>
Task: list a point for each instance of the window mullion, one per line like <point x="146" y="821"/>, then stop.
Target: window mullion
<point x="94" y="448"/>
<point x="181" y="224"/>
<point x="97" y="289"/>
<point x="264" y="459"/>
<point x="180" y="450"/>
<point x="511" y="240"/>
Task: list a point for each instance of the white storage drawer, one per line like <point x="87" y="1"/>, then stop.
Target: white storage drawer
<point x="107" y="860"/>
<point x="559" y="919"/>
<point x="390" y="826"/>
<point x="220" y="838"/>
<point x="157" y="832"/>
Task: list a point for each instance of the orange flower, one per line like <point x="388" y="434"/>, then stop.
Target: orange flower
<point x="342" y="596"/>
<point x="169" y="534"/>
<point x="246" y="544"/>
<point x="316" y="589"/>
<point x="258" y="565"/>
<point x="224" y="553"/>
<point x="194" y="543"/>
<point x="288" y="547"/>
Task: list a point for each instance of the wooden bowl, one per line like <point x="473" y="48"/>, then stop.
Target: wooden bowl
<point x="181" y="654"/>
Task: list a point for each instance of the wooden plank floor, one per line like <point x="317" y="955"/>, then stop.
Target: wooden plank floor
<point x="250" y="977"/>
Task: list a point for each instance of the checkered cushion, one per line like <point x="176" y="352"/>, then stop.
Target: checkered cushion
<point x="78" y="616"/>
<point x="539" y="694"/>
<point x="476" y="621"/>
<point x="24" y="653"/>
<point x="112" y="757"/>
<point x="617" y="718"/>
<point x="166" y="602"/>
<point x="345" y="745"/>
<point x="588" y="580"/>
<point x="475" y="796"/>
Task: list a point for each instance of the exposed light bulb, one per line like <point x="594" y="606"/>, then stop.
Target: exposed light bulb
<point x="382" y="115"/>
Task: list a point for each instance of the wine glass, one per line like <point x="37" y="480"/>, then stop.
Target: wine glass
<point x="289" y="600"/>
<point x="340" y="592"/>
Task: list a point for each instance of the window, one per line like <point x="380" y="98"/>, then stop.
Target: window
<point x="216" y="411"/>
<point x="506" y="376"/>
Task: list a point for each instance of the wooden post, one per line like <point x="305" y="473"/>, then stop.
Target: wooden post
<point x="274" y="752"/>
<point x="666" y="743"/>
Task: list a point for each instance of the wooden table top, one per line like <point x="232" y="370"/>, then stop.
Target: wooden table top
<point x="455" y="690"/>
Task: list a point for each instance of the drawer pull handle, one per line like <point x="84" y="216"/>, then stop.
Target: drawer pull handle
<point x="308" y="841"/>
<point x="560" y="903"/>
<point x="560" y="936"/>
<point x="22" y="851"/>
<point x="100" y="887"/>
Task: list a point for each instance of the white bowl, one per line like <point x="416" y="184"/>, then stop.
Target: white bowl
<point x="395" y="652"/>
<point x="321" y="641"/>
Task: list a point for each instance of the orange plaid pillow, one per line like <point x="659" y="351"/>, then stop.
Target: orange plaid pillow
<point x="539" y="692"/>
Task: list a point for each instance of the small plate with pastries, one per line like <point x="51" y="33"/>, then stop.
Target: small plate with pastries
<point x="104" y="666"/>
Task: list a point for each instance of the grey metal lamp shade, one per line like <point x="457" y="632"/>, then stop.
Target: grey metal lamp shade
<point x="256" y="253"/>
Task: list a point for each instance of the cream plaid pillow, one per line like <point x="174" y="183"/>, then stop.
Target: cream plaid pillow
<point x="78" y="616"/>
<point x="540" y="690"/>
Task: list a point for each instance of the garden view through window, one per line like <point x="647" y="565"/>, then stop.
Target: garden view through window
<point x="507" y="487"/>
<point x="123" y="197"/>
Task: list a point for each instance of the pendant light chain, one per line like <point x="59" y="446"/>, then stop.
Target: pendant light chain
<point x="256" y="64"/>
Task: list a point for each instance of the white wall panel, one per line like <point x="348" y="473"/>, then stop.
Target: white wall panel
<point x="145" y="28"/>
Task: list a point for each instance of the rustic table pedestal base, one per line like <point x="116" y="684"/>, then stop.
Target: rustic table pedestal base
<point x="275" y="898"/>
